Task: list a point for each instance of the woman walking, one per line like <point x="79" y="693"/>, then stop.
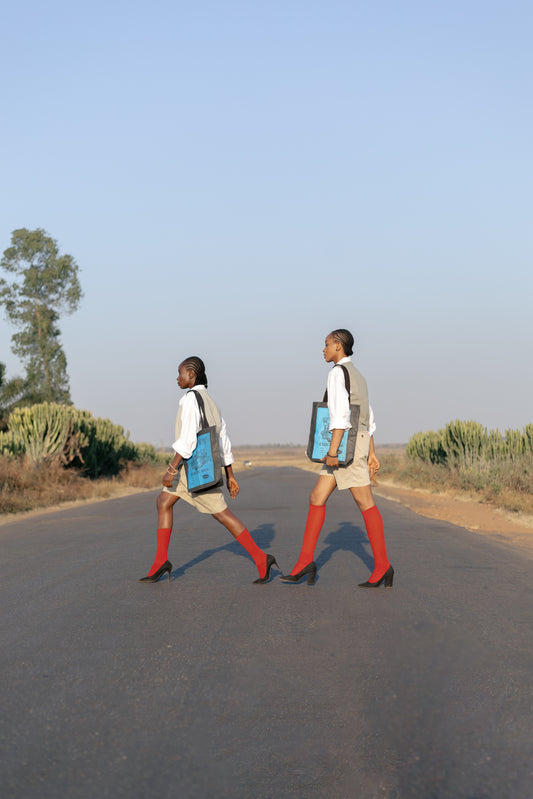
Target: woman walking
<point x="191" y="375"/>
<point x="355" y="477"/>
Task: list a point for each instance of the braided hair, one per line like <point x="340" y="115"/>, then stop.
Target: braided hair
<point x="196" y="365"/>
<point x="345" y="339"/>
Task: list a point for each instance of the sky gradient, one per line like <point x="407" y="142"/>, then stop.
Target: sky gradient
<point x="236" y="179"/>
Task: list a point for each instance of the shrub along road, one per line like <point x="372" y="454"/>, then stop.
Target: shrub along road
<point x="210" y="686"/>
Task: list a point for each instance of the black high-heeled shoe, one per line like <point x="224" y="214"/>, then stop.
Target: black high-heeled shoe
<point x="309" y="570"/>
<point x="153" y="578"/>
<point x="271" y="561"/>
<point x="388" y="577"/>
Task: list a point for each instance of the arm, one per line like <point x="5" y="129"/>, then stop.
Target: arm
<point x="227" y="459"/>
<point x="371" y="421"/>
<point x="373" y="463"/>
<point x="186" y="443"/>
<point x="171" y="470"/>
<point x="336" y="438"/>
<point x="232" y="484"/>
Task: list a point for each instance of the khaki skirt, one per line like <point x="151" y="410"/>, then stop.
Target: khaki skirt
<point x="210" y="501"/>
<point x="355" y="475"/>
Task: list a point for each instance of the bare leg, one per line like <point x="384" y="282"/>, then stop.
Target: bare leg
<point x="323" y="489"/>
<point x="364" y="497"/>
<point x="165" y="503"/>
<point x="232" y="524"/>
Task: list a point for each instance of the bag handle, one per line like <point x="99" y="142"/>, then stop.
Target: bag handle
<point x="346" y="384"/>
<point x="201" y="406"/>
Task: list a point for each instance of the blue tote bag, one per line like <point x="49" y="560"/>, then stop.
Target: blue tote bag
<point x="320" y="435"/>
<point x="203" y="468"/>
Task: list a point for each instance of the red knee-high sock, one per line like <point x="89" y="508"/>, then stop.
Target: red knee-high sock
<point x="313" y="526"/>
<point x="376" y="536"/>
<point x="259" y="557"/>
<point x="163" y="538"/>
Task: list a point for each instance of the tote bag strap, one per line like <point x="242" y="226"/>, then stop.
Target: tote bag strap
<point x="201" y="406"/>
<point x="346" y="383"/>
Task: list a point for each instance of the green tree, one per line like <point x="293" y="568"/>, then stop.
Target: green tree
<point x="42" y="285"/>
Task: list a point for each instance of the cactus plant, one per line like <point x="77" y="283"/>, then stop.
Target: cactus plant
<point x="466" y="444"/>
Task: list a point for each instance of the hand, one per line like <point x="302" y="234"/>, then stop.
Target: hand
<point x="373" y="464"/>
<point x="331" y="461"/>
<point x="169" y="476"/>
<point x="167" y="480"/>
<point x="233" y="486"/>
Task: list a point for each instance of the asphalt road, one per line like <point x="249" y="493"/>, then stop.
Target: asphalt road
<point x="210" y="686"/>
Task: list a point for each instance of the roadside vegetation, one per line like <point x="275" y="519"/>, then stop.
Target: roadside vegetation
<point x="465" y="457"/>
<point x="52" y="453"/>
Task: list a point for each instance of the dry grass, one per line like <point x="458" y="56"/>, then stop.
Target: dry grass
<point x="25" y="487"/>
<point x="502" y="483"/>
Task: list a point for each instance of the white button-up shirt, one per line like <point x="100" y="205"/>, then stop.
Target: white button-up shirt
<point x="190" y="425"/>
<point x="339" y="401"/>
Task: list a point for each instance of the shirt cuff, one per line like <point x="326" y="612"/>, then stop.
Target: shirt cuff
<point x="178" y="447"/>
<point x="339" y="424"/>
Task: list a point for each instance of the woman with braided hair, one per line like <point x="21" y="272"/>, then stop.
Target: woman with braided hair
<point x="338" y="348"/>
<point x="191" y="374"/>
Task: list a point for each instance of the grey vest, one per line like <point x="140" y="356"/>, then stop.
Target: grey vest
<point x="211" y="411"/>
<point x="358" y="394"/>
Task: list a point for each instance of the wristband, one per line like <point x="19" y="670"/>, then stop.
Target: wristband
<point x="329" y="455"/>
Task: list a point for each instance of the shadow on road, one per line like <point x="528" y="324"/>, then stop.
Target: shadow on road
<point x="347" y="538"/>
<point x="262" y="535"/>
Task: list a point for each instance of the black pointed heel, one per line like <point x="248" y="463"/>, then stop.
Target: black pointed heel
<point x="271" y="561"/>
<point x="153" y="578"/>
<point x="387" y="578"/>
<point x="309" y="570"/>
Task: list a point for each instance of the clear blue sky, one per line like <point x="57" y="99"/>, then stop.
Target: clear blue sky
<point x="235" y="179"/>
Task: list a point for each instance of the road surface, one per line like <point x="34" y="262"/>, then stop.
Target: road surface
<point x="210" y="686"/>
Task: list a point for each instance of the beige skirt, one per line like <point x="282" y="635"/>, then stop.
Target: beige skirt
<point x="355" y="475"/>
<point x="210" y="501"/>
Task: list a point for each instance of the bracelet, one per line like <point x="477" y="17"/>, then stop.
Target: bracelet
<point x="171" y="470"/>
<point x="329" y="455"/>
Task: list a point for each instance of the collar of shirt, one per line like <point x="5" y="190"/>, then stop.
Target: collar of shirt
<point x="346" y="359"/>
<point x="184" y="397"/>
